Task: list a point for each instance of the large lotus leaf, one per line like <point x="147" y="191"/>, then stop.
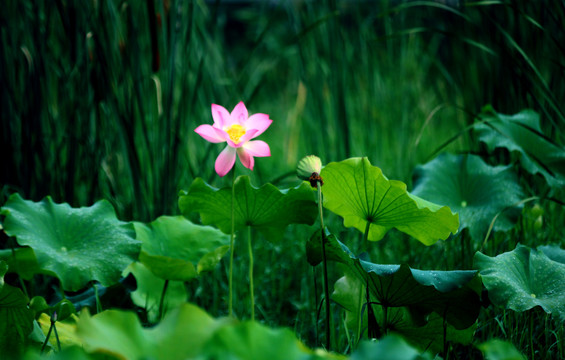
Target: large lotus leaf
<point x="554" y="252"/>
<point x="350" y="294"/>
<point x="16" y="320"/>
<point x="77" y="245"/>
<point x="251" y="340"/>
<point x="391" y="347"/>
<point x="500" y="350"/>
<point x="149" y="291"/>
<point x="477" y="191"/>
<point x="361" y="195"/>
<point x="267" y="208"/>
<point x="173" y="247"/>
<point x="22" y="261"/>
<point x="180" y="335"/>
<point x="454" y="295"/>
<point x="522" y="279"/>
<point x="522" y="133"/>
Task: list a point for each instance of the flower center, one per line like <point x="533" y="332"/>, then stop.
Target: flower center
<point x="235" y="132"/>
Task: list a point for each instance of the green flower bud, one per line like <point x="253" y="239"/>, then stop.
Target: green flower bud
<point x="309" y="169"/>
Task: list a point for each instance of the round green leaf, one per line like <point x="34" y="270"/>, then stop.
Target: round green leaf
<point x="524" y="278"/>
<point x="521" y="133"/>
<point x="149" y="291"/>
<point x="361" y="195"/>
<point x="181" y="335"/>
<point x="251" y="340"/>
<point x="477" y="191"/>
<point x="267" y="208"/>
<point x="173" y="247"/>
<point x="77" y="245"/>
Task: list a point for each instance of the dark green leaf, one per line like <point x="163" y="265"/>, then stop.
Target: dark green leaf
<point x="267" y="208"/>
<point x="477" y="191"/>
<point x="361" y="194"/>
<point x="453" y="295"/>
<point x="522" y="279"/>
<point x="149" y="291"/>
<point x="16" y="320"/>
<point x="522" y="133"/>
<point x="76" y="245"/>
<point x="500" y="350"/>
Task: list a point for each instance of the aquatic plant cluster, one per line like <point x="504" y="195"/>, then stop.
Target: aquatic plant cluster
<point x="333" y="259"/>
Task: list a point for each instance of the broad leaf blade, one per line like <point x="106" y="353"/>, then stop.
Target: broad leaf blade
<point x="267" y="208"/>
<point x="477" y="191"/>
<point x="522" y="133"/>
<point x="361" y="195"/>
<point x="173" y="247"/>
<point x="150" y="289"/>
<point x="78" y="245"/>
<point x="522" y="279"/>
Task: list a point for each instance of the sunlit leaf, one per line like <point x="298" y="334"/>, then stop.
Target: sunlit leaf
<point x="251" y="340"/>
<point x="361" y="195"/>
<point x="173" y="247"/>
<point x="522" y="279"/>
<point x="522" y="133"/>
<point x="149" y="291"/>
<point x="477" y="191"/>
<point x="181" y="334"/>
<point x="267" y="208"/>
<point x="66" y="330"/>
<point x="16" y="320"/>
<point x="500" y="350"/>
<point x="77" y="245"/>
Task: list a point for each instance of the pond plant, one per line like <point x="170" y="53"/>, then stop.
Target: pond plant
<point x="464" y="260"/>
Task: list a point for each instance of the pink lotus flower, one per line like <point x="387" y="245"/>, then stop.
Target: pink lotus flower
<point x="237" y="129"/>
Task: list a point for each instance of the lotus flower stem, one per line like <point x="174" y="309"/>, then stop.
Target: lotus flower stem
<point x="251" y="291"/>
<point x="232" y="240"/>
<point x="325" y="267"/>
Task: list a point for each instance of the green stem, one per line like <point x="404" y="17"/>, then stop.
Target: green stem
<point x="162" y="301"/>
<point x="97" y="297"/>
<point x="325" y="268"/>
<point x="232" y="240"/>
<point x="56" y="336"/>
<point x="47" y="338"/>
<point x="251" y="291"/>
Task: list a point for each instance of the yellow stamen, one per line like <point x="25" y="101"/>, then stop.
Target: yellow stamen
<point x="235" y="132"/>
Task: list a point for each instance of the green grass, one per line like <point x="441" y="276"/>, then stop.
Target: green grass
<point x="88" y="114"/>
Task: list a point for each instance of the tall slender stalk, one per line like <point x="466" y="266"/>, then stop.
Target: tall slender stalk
<point x="232" y="240"/>
<point x="162" y="301"/>
<point x="251" y="291"/>
<point x="325" y="266"/>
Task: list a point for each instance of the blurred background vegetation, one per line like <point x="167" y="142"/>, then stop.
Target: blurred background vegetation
<point x="100" y="99"/>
